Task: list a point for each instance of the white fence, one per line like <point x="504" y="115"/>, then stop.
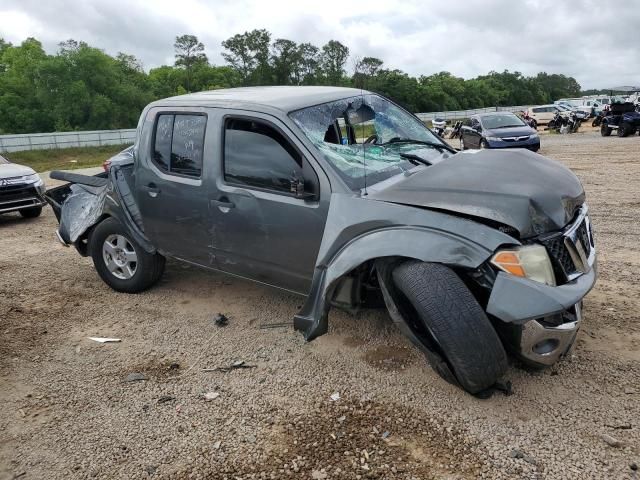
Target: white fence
<point x="458" y="114"/>
<point x="48" y="141"/>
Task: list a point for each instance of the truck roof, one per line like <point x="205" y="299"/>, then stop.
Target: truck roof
<point x="285" y="98"/>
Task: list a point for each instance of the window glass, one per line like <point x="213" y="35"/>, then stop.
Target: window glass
<point x="179" y="143"/>
<point x="187" y="144"/>
<point x="257" y="155"/>
<point x="162" y="147"/>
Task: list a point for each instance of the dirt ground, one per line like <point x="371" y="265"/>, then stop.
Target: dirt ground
<point x="67" y="411"/>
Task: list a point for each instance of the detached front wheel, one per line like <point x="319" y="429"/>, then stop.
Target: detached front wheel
<point x="456" y="323"/>
<point x="121" y="263"/>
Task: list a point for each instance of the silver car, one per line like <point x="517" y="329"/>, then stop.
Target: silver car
<point x="21" y="189"/>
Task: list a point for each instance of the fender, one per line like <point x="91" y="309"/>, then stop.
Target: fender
<point x="419" y="233"/>
<point x="86" y="202"/>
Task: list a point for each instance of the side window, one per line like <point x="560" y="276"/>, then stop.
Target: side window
<point x="475" y="123"/>
<point x="536" y="110"/>
<point x="179" y="143"/>
<point x="257" y="155"/>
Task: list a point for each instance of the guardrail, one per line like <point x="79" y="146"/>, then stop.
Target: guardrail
<point x="47" y="141"/>
<point x="50" y="141"/>
<point x="459" y="114"/>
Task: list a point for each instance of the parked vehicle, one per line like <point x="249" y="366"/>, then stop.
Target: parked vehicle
<point x="455" y="131"/>
<point x="542" y="114"/>
<point x="623" y="118"/>
<point x="439" y="126"/>
<point x="564" y="123"/>
<point x="21" y="189"/>
<point x="498" y="130"/>
<point x="473" y="253"/>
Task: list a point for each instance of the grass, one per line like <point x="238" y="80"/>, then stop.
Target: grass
<point x="64" y="158"/>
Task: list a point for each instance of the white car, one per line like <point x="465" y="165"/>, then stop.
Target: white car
<point x="21" y="189"/>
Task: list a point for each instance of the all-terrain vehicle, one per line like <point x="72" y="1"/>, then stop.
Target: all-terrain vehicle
<point x="623" y="118"/>
<point x="474" y="254"/>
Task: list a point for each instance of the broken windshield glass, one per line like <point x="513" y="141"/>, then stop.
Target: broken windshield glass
<point x="359" y="137"/>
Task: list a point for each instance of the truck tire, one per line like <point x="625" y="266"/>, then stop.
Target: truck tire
<point x="32" y="212"/>
<point x="605" y="130"/>
<point x="121" y="263"/>
<point x="456" y="322"/>
<point x="623" y="129"/>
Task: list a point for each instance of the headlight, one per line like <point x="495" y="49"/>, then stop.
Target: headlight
<point x="530" y="262"/>
<point x="33" y="178"/>
<point x="534" y="135"/>
<point x="494" y="139"/>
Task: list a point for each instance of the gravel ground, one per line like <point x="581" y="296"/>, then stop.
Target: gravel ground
<point x="67" y="411"/>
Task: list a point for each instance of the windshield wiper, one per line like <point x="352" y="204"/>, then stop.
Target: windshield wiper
<point x="439" y="146"/>
<point x="415" y="159"/>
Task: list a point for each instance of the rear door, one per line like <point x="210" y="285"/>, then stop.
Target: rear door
<point x="170" y="189"/>
<point x="263" y="231"/>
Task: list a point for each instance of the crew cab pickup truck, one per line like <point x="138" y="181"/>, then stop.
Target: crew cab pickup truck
<point x="473" y="254"/>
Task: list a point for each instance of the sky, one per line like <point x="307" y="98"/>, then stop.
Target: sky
<point x="598" y="43"/>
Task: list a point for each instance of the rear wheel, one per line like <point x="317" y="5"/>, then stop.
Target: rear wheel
<point x="455" y="321"/>
<point x="623" y="129"/>
<point x="32" y="212"/>
<point x="605" y="130"/>
<point x="121" y="263"/>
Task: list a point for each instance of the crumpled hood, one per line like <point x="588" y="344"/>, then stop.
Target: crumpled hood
<point x="10" y="170"/>
<point x="519" y="188"/>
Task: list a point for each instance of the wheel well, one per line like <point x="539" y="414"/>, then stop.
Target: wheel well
<point x="83" y="244"/>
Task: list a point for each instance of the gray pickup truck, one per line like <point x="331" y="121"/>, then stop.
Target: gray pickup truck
<point x="346" y="199"/>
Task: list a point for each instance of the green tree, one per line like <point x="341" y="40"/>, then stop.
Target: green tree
<point x="333" y="60"/>
<point x="189" y="52"/>
<point x="248" y="53"/>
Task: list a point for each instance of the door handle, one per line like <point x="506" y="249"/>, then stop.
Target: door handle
<point x="222" y="203"/>
<point x="152" y="190"/>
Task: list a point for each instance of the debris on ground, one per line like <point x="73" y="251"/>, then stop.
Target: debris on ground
<point x="276" y="325"/>
<point x="173" y="366"/>
<point x="210" y="396"/>
<point x="166" y="398"/>
<point x="221" y="320"/>
<point x="611" y="441"/>
<point x="216" y="446"/>
<point x="335" y="396"/>
<point x="234" y="366"/>
<point x="104" y="339"/>
<point x="135" y="377"/>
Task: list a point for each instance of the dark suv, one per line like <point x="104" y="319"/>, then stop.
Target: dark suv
<point x="348" y="200"/>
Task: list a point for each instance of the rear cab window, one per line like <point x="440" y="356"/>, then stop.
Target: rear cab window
<point x="178" y="143"/>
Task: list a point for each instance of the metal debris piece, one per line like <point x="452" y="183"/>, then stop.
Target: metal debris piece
<point x="386" y="434"/>
<point x="335" y="396"/>
<point x="276" y="325"/>
<point x="135" y="377"/>
<point x="104" y="339"/>
<point x="221" y="320"/>
<point x="234" y="366"/>
<point x="216" y="446"/>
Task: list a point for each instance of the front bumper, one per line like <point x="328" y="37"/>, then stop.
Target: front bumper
<point x="531" y="144"/>
<point x="18" y="197"/>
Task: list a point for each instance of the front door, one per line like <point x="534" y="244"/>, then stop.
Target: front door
<point x="264" y="231"/>
<point x="170" y="191"/>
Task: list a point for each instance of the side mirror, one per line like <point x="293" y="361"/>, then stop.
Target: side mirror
<point x="298" y="190"/>
<point x="477" y="128"/>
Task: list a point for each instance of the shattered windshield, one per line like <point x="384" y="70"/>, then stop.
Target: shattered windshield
<point x="366" y="137"/>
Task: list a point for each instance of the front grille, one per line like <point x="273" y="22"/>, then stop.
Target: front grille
<point x="16" y="192"/>
<point x="564" y="249"/>
<point x="560" y="255"/>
